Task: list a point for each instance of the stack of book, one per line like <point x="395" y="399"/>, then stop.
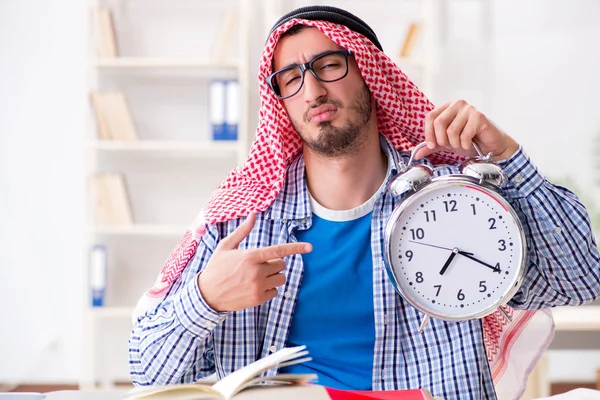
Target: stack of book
<point x="106" y="39"/>
<point x="111" y="200"/>
<point x="113" y="116"/>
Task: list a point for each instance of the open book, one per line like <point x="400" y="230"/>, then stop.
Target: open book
<point x="235" y="382"/>
<point x="281" y="386"/>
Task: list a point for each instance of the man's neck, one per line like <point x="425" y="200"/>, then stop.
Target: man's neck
<point x="345" y="183"/>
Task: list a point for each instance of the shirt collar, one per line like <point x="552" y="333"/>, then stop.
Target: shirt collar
<point x="293" y="201"/>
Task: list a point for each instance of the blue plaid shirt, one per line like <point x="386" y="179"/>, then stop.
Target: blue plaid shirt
<point x="183" y="339"/>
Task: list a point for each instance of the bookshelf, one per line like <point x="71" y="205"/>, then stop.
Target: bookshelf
<point x="141" y="230"/>
<point x="150" y="67"/>
<point x="148" y="62"/>
<point x="156" y="147"/>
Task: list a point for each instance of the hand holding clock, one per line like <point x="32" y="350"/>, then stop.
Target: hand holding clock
<point x="455" y="125"/>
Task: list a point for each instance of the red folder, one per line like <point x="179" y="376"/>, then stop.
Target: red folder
<point x="412" y="394"/>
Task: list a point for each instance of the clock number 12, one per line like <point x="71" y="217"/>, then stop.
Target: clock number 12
<point x="450" y="206"/>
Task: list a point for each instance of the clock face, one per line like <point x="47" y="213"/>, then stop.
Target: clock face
<point x="455" y="249"/>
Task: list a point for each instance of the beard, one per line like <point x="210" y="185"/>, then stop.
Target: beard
<point x="338" y="142"/>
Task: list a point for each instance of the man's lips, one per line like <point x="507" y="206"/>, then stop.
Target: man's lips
<point x="322" y="112"/>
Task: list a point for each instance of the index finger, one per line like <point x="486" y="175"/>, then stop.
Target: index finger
<point x="429" y="128"/>
<point x="280" y="251"/>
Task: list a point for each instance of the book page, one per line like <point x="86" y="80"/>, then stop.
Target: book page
<point x="230" y="385"/>
<point x="280" y="379"/>
<point x="227" y="387"/>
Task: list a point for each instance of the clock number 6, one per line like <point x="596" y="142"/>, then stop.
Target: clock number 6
<point x="460" y="296"/>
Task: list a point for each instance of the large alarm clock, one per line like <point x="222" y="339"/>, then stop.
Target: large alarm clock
<point x="455" y="249"/>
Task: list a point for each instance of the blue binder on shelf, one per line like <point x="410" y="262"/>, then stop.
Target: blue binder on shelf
<point x="217" y="101"/>
<point x="232" y="110"/>
<point x="97" y="274"/>
<point x="224" y="109"/>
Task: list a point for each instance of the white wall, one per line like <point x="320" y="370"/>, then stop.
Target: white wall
<point x="541" y="85"/>
<point x="42" y="111"/>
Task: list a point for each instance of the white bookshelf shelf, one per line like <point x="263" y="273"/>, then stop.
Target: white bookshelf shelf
<point x="141" y="230"/>
<point x="110" y="312"/>
<point x="584" y="318"/>
<point x="148" y="62"/>
<point x="167" y="66"/>
<point x="208" y="148"/>
<point x="410" y="63"/>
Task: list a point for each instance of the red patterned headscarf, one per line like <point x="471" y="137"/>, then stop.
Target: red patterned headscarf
<point x="512" y="347"/>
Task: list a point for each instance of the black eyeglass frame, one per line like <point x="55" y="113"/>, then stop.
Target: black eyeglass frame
<point x="303" y="68"/>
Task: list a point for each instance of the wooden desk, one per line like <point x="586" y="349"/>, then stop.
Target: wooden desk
<point x="292" y="392"/>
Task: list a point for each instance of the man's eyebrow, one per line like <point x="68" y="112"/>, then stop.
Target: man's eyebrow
<point x="312" y="58"/>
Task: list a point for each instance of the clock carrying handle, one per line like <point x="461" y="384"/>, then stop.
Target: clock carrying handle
<point x="486" y="158"/>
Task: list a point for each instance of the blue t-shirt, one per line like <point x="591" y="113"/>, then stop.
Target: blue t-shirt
<point x="334" y="315"/>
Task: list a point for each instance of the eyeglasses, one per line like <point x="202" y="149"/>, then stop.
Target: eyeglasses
<point x="330" y="66"/>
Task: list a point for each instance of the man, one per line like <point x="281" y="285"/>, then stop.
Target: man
<point x="289" y="248"/>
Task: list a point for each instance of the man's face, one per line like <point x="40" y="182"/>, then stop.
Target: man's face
<point x="332" y="118"/>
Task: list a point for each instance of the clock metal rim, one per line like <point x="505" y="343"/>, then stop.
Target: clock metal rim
<point x="440" y="182"/>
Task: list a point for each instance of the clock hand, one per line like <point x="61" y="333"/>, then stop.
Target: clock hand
<point x="431" y="245"/>
<point x="449" y="260"/>
<point x="440" y="247"/>
<point x="470" y="256"/>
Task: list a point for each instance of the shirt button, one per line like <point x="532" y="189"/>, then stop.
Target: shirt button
<point x="558" y="230"/>
<point x="284" y="221"/>
<point x="273" y="349"/>
<point x="518" y="178"/>
<point x="303" y="220"/>
<point x="287" y="295"/>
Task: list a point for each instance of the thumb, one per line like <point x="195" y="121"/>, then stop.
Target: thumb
<point x="233" y="240"/>
<point x="426" y="150"/>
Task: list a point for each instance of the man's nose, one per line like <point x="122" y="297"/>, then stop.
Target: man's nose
<point x="313" y="88"/>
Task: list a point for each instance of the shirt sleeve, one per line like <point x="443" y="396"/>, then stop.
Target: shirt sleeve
<point x="563" y="261"/>
<point x="173" y="342"/>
